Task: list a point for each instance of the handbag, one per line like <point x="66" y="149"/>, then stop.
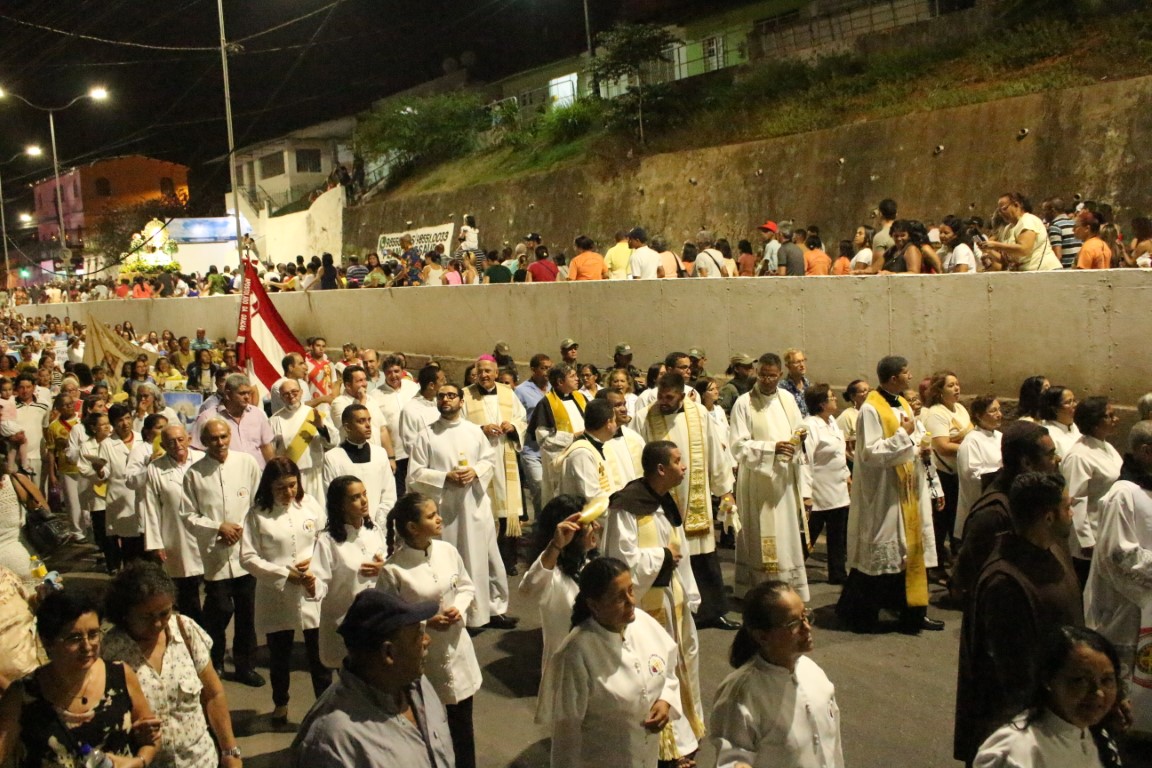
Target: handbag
<point x="42" y="529"/>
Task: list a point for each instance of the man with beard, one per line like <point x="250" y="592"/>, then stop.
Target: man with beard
<point x="452" y="462"/>
<point x="684" y="422"/>
<point x="495" y="408"/>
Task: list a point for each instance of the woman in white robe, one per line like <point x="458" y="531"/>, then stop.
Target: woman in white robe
<point x="1058" y="415"/>
<point x="777" y="708"/>
<point x="347" y="560"/>
<point x="979" y="455"/>
<point x="1091" y="466"/>
<point x="277" y="547"/>
<point x="611" y="688"/>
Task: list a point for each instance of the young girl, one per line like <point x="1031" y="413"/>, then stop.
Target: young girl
<point x="424" y="568"/>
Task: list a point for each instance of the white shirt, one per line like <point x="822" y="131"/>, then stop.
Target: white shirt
<point x="391" y="403"/>
<point x="1091" y="467"/>
<point x="273" y="540"/>
<point x="376" y="474"/>
<point x="216" y="493"/>
<point x="863" y="258"/>
<point x="960" y="256"/>
<point x="644" y="264"/>
<point x="979" y="455"/>
<point x="163" y="526"/>
<point x="336" y="566"/>
<point x="417" y="415"/>
<point x="828" y="462"/>
<point x="1050" y="742"/>
<point x="1063" y="436"/>
<point x="555" y="593"/>
<point x="768" y="717"/>
<point x="340" y="402"/>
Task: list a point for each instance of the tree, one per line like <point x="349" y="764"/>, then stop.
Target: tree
<point x="427" y="128"/>
<point x="626" y="51"/>
<point x="112" y="235"/>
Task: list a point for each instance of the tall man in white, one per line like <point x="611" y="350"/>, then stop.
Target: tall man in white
<point x="218" y="490"/>
<point x="495" y="408"/>
<point x="391" y="394"/>
<point x="890" y="516"/>
<point x="452" y="462"/>
<point x="686" y="423"/>
<point x="420" y="412"/>
<point x="773" y="487"/>
<point x="303" y="433"/>
<point x="164" y="532"/>
<point x="358" y="456"/>
<point x="356" y="390"/>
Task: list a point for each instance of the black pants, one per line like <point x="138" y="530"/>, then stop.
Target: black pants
<point x="836" y="521"/>
<point x="131" y="548"/>
<point x="944" y="520"/>
<point x="710" y="582"/>
<point x="863" y="596"/>
<point x="401" y="477"/>
<point x="463" y="735"/>
<point x="507" y="546"/>
<point x="109" y="547"/>
<point x="280" y="663"/>
<point x="223" y="600"/>
<point x="188" y="597"/>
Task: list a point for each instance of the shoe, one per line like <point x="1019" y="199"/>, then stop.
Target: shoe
<point x="249" y="677"/>
<point x="916" y="626"/>
<point x="503" y="621"/>
<point x="279" y="715"/>
<point x="722" y="622"/>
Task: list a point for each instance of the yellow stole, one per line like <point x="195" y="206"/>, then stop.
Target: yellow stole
<point x="648" y="537"/>
<point x="697" y="513"/>
<point x="560" y="413"/>
<point x="299" y="444"/>
<point x="915" y="574"/>
<point x="477" y="415"/>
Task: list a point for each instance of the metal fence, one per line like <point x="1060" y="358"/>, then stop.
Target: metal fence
<point x="852" y="19"/>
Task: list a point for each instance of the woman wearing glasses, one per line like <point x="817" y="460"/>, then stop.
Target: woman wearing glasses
<point x="76" y="702"/>
<point x="778" y="707"/>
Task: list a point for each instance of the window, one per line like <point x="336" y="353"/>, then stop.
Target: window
<point x="103" y="187"/>
<point x="308" y="161"/>
<point x="167" y="188"/>
<point x="562" y="90"/>
<point x="272" y="165"/>
<point x="712" y="50"/>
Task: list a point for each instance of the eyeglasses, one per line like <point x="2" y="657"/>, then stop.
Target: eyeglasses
<point x="74" y="640"/>
<point x="447" y="396"/>
<point x="795" y="624"/>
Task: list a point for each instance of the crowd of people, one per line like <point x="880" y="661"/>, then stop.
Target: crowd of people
<point x="1077" y="235"/>
<point x="379" y="513"/>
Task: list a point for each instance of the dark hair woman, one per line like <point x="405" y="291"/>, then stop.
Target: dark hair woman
<point x="1028" y="402"/>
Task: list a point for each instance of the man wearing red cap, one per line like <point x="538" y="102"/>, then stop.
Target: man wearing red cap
<point x="768" y="231"/>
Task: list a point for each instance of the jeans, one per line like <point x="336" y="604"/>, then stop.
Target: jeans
<point x="188" y="597"/>
<point x="531" y="475"/>
<point x="280" y="663"/>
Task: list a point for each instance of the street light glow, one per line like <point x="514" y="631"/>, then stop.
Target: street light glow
<point x="98" y="93"/>
<point x="33" y="151"/>
<point x="26" y="218"/>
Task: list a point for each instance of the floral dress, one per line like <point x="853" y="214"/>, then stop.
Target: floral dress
<point x="52" y="739"/>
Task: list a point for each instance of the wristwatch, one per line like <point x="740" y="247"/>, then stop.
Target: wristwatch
<point x="230" y="752"/>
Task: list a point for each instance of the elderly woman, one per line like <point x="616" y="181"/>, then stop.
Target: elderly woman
<point x="826" y="450"/>
<point x="170" y="655"/>
<point x="1057" y="411"/>
<point x="611" y="689"/>
<point x="150" y="399"/>
<point x="76" y="702"/>
<point x="1091" y="466"/>
<point x="979" y="455"/>
<point x="279" y="538"/>
<point x="1025" y="246"/>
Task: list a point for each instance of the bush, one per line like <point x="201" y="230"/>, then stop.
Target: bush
<point x="561" y="125"/>
<point x="429" y="128"/>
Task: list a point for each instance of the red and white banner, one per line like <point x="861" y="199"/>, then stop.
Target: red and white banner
<point x="262" y="337"/>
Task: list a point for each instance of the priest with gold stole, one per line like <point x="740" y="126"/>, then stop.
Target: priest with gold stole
<point x="495" y="408"/>
<point x="556" y="422"/>
<point x="303" y="434"/>
<point x="890" y="516"/>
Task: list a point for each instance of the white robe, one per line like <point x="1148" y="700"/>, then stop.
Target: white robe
<point x="273" y="540"/>
<point x="555" y="593"/>
<point x="466" y="510"/>
<point x="216" y="493"/>
<point x="877" y="542"/>
<point x="391" y="403"/>
<point x="418" y="414"/>
<point x="1063" y="436"/>
<point x="598" y="691"/>
<point x="717" y="475"/>
<point x="766" y="717"/>
<point x="580" y="468"/>
<point x="552" y="443"/>
<point x="121" y="517"/>
<point x="285" y="426"/>
<point x="439" y="576"/>
<point x="1091" y="466"/>
<point x="1050" y="742"/>
<point x="769" y="493"/>
<point x="340" y="402"/>
<point x="376" y="474"/>
<point x="163" y="525"/>
<point x="622" y="455"/>
<point x="336" y="566"/>
<point x="979" y="455"/>
<point x="502" y="505"/>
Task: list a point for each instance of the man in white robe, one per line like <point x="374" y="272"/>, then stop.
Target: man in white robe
<point x="303" y="434"/>
<point x="420" y="412"/>
<point x="556" y="422"/>
<point x="643" y="529"/>
<point x="674" y="417"/>
<point x="890" y="516"/>
<point x="164" y="532"/>
<point x="391" y="394"/>
<point x="358" y="456"/>
<point x="1118" y="596"/>
<point x="355" y="382"/>
<point x="495" y="408"/>
<point x="623" y="451"/>
<point x="218" y="490"/>
<point x="773" y="485"/>
<point x="452" y="462"/>
<point x="583" y="467"/>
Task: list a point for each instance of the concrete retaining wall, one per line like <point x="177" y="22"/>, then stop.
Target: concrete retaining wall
<point x="1085" y="330"/>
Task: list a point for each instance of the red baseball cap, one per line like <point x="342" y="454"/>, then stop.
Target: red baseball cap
<point x="770" y="226"/>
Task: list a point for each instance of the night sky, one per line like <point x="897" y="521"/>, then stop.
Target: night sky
<point x="167" y="101"/>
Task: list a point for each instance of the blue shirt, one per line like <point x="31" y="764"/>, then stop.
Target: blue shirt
<point x="530" y="395"/>
<point x="787" y="385"/>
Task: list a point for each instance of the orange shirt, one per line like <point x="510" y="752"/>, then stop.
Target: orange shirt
<point x="1094" y="254"/>
<point x="843" y="266"/>
<point x="816" y="262"/>
<point x="588" y="265"/>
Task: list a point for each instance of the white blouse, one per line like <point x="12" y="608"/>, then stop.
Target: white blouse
<point x="274" y="540"/>
<point x="1050" y="742"/>
<point x="438" y="575"/>
<point x="942" y="422"/>
<point x="979" y="455"/>
<point x="336" y="566"/>
<point x="828" y="460"/>
<point x="554" y="592"/>
<point x="1091" y="467"/>
<point x="1063" y="436"/>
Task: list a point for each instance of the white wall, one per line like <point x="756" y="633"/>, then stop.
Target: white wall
<point x="307" y="233"/>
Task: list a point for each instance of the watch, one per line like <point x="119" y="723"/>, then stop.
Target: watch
<point x="230" y="752"/>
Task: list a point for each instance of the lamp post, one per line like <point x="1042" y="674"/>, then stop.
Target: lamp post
<point x="228" y="124"/>
<point x="32" y="151"/>
<point x="96" y="94"/>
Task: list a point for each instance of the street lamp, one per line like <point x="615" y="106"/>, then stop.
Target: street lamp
<point x="96" y="93"/>
<point x="31" y="151"/>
